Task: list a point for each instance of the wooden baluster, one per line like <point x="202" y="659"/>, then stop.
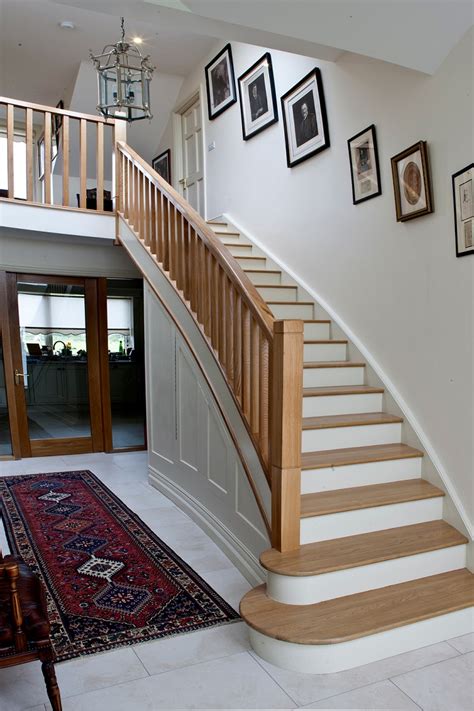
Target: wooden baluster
<point x="214" y="302"/>
<point x="147" y="211"/>
<point x="141" y="217"/>
<point x="172" y="241"/>
<point x="29" y="155"/>
<point x="47" y="157"/>
<point x="229" y="307"/>
<point x="194" y="265"/>
<point x="185" y="240"/>
<point x="82" y="162"/>
<point x="136" y="200"/>
<point x="223" y="321"/>
<point x="200" y="280"/>
<point x="100" y="165"/>
<point x="255" y="378"/>
<point x="126" y="188"/>
<point x="66" y="150"/>
<point x="207" y="317"/>
<point x="153" y="220"/>
<point x="246" y="362"/>
<point x="166" y="235"/>
<point x="238" y="346"/>
<point x="264" y="397"/>
<point x="179" y="250"/>
<point x="286" y="427"/>
<point x="159" y="226"/>
<point x="12" y="572"/>
<point x="10" y="146"/>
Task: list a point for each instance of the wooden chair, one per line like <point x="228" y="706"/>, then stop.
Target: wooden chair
<point x="24" y="625"/>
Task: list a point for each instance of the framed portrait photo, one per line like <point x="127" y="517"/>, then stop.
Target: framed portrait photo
<point x="305" y="120"/>
<point x="258" y="104"/>
<point x="220" y="83"/>
<point x="463" y="197"/>
<point x="162" y="165"/>
<point x="364" y="162"/>
<point x="412" y="182"/>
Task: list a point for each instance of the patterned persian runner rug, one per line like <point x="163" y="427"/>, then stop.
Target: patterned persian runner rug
<point x="109" y="580"/>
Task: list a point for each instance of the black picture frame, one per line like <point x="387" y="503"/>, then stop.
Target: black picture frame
<point x="220" y="97"/>
<point x="364" y="165"/>
<point x="257" y="116"/>
<point x="311" y="135"/>
<point x="162" y="165"/>
<point x="412" y="182"/>
<point x="463" y="227"/>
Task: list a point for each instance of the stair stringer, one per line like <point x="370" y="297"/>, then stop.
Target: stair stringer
<point x="217" y="391"/>
<point x="412" y="431"/>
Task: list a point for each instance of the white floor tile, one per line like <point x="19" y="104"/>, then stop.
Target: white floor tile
<point x="308" y="688"/>
<point x="185" y="650"/>
<point x="463" y="644"/>
<point x="447" y="686"/>
<point x="234" y="682"/>
<point x="98" y="671"/>
<point x="22" y="687"/>
<point x="382" y="695"/>
<point x="230" y="584"/>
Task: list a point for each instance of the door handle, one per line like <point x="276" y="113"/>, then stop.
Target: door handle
<point x="18" y="375"/>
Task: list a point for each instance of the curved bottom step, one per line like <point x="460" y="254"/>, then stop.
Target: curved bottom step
<point x="358" y="629"/>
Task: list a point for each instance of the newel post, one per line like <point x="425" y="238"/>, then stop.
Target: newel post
<point x="286" y="428"/>
<point x="120" y="134"/>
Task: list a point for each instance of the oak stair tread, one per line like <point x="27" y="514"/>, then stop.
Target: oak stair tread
<point x="353" y="616"/>
<point x="358" y="419"/>
<point x="322" y="503"/>
<point x="263" y="271"/>
<point x="316" y="320"/>
<point x="331" y="363"/>
<point x="291" y="303"/>
<point x="358" y="455"/>
<point x="226" y="233"/>
<point x="331" y="390"/>
<point x="362" y="549"/>
<point x="325" y="340"/>
<point x="277" y="286"/>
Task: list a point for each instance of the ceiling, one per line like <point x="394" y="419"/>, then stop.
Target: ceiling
<point x="39" y="61"/>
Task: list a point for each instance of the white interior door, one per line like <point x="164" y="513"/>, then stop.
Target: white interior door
<point x="193" y="173"/>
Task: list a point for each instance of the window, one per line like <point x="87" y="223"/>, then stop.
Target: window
<point x="19" y="163"/>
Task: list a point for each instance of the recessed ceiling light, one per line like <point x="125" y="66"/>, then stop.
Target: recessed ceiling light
<point x="137" y="40"/>
<point x="67" y="25"/>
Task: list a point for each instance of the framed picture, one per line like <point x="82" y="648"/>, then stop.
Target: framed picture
<point x="57" y="124"/>
<point x="162" y="165"/>
<point x="364" y="162"/>
<point x="258" y="104"/>
<point x="463" y="197"/>
<point x="305" y="120"/>
<point x="412" y="182"/>
<point x="220" y="82"/>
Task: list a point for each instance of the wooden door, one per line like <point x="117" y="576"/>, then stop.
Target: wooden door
<point x="57" y="385"/>
<point x="192" y="150"/>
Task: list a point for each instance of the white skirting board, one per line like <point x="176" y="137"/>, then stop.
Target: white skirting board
<point x="330" y="658"/>
<point x="242" y="558"/>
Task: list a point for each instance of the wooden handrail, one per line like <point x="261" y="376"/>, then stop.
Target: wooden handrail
<point x="261" y="358"/>
<point x="62" y="112"/>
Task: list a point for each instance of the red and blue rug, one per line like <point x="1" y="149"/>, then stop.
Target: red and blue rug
<point x="110" y="581"/>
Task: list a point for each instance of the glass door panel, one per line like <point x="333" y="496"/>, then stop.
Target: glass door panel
<point x="53" y="337"/>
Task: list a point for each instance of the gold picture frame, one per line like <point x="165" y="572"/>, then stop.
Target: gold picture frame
<point x="412" y="182"/>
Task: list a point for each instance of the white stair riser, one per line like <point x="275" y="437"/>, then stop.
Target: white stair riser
<point x="231" y="239"/>
<point x="317" y="330"/>
<point x="341" y="404"/>
<point x="324" y="377"/>
<point x="376" y="518"/>
<point x="278" y="293"/>
<point x="330" y="658"/>
<point x="264" y="277"/>
<point x="220" y="228"/>
<point x="305" y="590"/>
<point x="343" y="437"/>
<point x="240" y="250"/>
<point x="324" y="351"/>
<point x="297" y="311"/>
<point x="332" y="478"/>
<point x="252" y="263"/>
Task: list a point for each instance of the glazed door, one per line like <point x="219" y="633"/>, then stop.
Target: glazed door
<point x="55" y="358"/>
<point x="192" y="149"/>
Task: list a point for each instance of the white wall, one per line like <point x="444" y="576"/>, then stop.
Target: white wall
<point x="398" y="287"/>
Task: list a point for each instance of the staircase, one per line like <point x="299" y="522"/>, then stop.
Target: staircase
<point x="378" y="571"/>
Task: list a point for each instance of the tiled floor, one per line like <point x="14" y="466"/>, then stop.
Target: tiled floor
<point x="215" y="668"/>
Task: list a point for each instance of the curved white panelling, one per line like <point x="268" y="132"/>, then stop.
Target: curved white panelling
<point x="329" y="658"/>
<point x="307" y="589"/>
<point x="409" y="415"/>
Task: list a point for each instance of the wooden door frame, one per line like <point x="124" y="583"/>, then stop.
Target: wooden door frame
<point x="178" y="159"/>
<point x="8" y="367"/>
<point x="67" y="445"/>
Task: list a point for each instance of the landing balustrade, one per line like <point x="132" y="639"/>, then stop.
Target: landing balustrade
<point x="261" y="358"/>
